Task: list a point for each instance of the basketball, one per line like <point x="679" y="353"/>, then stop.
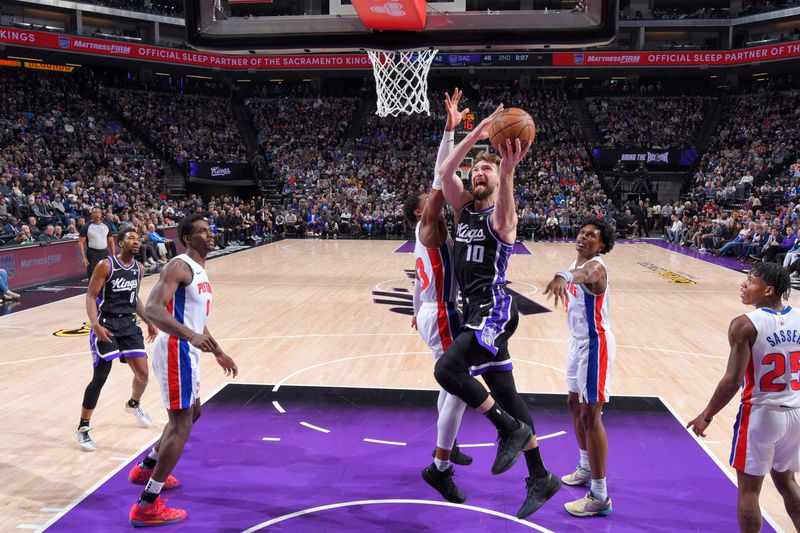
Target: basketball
<point x="512" y="123"/>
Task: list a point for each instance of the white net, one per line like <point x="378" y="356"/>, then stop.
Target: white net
<point x="401" y="80"/>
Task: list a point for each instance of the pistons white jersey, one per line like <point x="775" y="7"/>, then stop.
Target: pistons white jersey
<point x="434" y="277"/>
<point x="773" y="372"/>
<point x="191" y="303"/>
<point x="588" y="315"/>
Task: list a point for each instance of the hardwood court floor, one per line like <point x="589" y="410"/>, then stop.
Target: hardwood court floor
<point x="302" y="312"/>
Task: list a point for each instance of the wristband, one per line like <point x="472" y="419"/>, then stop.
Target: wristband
<point x="449" y="136"/>
<point x="567" y="276"/>
<point x="708" y="420"/>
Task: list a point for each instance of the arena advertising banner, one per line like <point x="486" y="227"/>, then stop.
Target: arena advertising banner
<point x="676" y="59"/>
<point x="33" y="265"/>
<point x="126" y="50"/>
<point x="220" y="172"/>
<point x="88" y="45"/>
<point x="655" y="157"/>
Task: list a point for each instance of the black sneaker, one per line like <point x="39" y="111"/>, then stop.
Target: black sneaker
<point x="509" y="447"/>
<point x="539" y="490"/>
<point x="457" y="456"/>
<point x="443" y="483"/>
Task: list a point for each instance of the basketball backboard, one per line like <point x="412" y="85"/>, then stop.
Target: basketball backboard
<point x="291" y="26"/>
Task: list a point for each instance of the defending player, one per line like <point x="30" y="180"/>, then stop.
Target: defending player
<point x="584" y="289"/>
<point x="486" y="223"/>
<point x="435" y="305"/>
<point x="764" y="361"/>
<point x="111" y="301"/>
<point x="179" y="306"/>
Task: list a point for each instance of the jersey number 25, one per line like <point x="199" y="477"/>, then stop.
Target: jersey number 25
<point x="768" y="383"/>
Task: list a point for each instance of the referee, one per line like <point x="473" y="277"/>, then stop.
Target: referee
<point x="95" y="241"/>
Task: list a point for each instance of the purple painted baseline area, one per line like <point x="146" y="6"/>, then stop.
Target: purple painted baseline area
<point x="408" y="248"/>
<point x="660" y="480"/>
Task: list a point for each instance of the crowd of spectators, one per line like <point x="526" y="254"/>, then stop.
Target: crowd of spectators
<point x="648" y="122"/>
<point x="753" y="150"/>
<point x="344" y="172"/>
<point x="61" y="153"/>
<point x="342" y="182"/>
<point x="186" y="126"/>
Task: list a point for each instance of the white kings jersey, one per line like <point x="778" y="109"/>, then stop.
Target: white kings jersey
<point x="588" y="315"/>
<point x="773" y="372"/>
<point x="435" y="279"/>
<point x="191" y="303"/>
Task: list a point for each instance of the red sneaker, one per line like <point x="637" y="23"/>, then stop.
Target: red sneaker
<point x="140" y="476"/>
<point x="155" y="514"/>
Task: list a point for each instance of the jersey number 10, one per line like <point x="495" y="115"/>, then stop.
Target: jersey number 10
<point x="475" y="253"/>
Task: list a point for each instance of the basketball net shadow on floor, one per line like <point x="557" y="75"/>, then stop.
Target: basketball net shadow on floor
<point x="309" y="458"/>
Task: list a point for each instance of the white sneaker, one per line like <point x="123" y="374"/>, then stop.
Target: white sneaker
<point x="580" y="476"/>
<point x="11" y="295"/>
<point x="85" y="440"/>
<point x="141" y="417"/>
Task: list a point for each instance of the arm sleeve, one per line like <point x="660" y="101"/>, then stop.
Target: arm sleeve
<point x="416" y="299"/>
<point x="445" y="147"/>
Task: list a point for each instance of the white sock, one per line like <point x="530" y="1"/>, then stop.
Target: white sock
<point x="441" y="465"/>
<point x="599" y="489"/>
<point x="584" y="460"/>
<point x="153" y="486"/>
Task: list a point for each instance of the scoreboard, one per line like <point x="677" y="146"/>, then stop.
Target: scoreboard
<point x="499" y="60"/>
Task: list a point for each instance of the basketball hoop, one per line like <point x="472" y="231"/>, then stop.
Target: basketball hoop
<point x="401" y="80"/>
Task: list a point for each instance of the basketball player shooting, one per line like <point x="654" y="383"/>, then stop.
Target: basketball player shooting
<point x="436" y="314"/>
<point x="486" y="223"/>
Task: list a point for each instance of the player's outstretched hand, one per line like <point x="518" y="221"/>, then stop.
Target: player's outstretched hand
<point x="454" y="116"/>
<point x="698" y="425"/>
<point x="227" y="364"/>
<point x="558" y="288"/>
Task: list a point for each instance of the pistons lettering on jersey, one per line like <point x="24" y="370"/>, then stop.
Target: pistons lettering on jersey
<point x="203" y="286"/>
<point x="467" y="235"/>
<point x="121" y="284"/>
<point x="782" y="336"/>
